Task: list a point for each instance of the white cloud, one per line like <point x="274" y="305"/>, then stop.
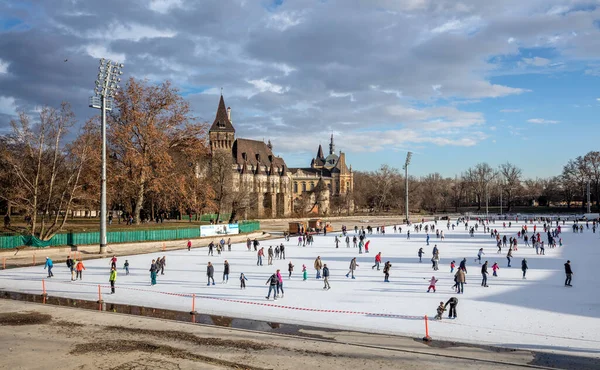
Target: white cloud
<point x="542" y="121"/>
<point x="468" y="25"/>
<point x="263" y="85"/>
<point x="598" y="99"/>
<point x="536" y="61"/>
<point x="511" y="40"/>
<point x="99" y="51"/>
<point x="3" y="66"/>
<point x="8" y="105"/>
<point x="334" y="94"/>
<point x="164" y="6"/>
<point x="284" y="20"/>
<point x="508" y="110"/>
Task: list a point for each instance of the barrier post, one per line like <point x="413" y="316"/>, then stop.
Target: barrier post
<point x="164" y="248"/>
<point x="44" y="291"/>
<point x="427" y="338"/>
<point x="3" y="263"/>
<point x="33" y="263"/>
<point x="99" y="298"/>
<point x="193" y="312"/>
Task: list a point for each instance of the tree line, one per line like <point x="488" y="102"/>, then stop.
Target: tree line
<point x="384" y="189"/>
<point x="156" y="154"/>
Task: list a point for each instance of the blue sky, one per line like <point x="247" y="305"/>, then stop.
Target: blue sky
<point x="457" y="82"/>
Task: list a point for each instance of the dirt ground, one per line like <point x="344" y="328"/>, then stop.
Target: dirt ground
<point x="35" y="336"/>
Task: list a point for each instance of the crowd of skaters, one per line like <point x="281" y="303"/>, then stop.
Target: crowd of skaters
<point x="528" y="233"/>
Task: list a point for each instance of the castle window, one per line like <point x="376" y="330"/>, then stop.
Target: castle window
<point x="303" y="186"/>
<point x="295" y="187"/>
<point x="312" y="186"/>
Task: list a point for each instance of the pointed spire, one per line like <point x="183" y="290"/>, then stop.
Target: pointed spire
<point x="272" y="171"/>
<point x="222" y="122"/>
<point x="320" y="152"/>
<point x="331" y="146"/>
<point x="283" y="170"/>
<point x="269" y="145"/>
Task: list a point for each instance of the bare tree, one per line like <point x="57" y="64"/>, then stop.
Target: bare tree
<point x="511" y="181"/>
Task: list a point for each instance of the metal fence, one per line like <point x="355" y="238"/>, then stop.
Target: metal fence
<point x="114" y="237"/>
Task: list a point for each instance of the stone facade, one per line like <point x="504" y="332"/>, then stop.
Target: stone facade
<point x="265" y="177"/>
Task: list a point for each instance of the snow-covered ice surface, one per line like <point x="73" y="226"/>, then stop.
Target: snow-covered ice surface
<point x="538" y="313"/>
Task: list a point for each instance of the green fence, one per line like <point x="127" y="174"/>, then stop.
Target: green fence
<point x="249" y="226"/>
<point x="114" y="237"/>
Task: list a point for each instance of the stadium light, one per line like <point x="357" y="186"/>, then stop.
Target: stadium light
<point x="105" y="90"/>
<point x="408" y="157"/>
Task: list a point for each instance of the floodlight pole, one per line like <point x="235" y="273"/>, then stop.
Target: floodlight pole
<point x="106" y="85"/>
<point x="408" y="156"/>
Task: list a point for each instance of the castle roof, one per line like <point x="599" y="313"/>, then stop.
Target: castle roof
<point x="256" y="153"/>
<point x="222" y="122"/>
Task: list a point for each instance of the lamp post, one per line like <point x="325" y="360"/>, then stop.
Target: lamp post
<point x="106" y="86"/>
<point x="408" y="157"/>
<point x="500" y="200"/>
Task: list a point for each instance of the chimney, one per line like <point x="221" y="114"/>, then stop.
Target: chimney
<point x="229" y="113"/>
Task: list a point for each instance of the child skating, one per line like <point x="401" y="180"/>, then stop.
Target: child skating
<point x="495" y="268"/>
<point x="432" y="284"/>
<point x="243" y="280"/>
<point x="440" y="311"/>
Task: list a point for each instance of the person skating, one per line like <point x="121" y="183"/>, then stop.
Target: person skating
<point x="326" y="285"/>
<point x="163" y="263"/>
<point x="229" y="245"/>
<point x="270" y="255"/>
<point x="79" y="270"/>
<point x="421" y="253"/>
<point x="453" y="302"/>
<point x="353" y="266"/>
<point x="509" y="256"/>
<point x="568" y="273"/>
<point x="112" y="279"/>
<point x="260" y="254"/>
<point x="281" y="251"/>
<point x="452" y="266"/>
<point x="479" y="254"/>
<point x="243" y="280"/>
<point x="432" y="283"/>
<point x="225" y="272"/>
<point x="49" y="264"/>
<point x="113" y="262"/>
<point x="272" y="282"/>
<point x="153" y="272"/>
<point x="126" y="267"/>
<point x="211" y="246"/>
<point x="460" y="281"/>
<point x="377" y="261"/>
<point x="304" y="273"/>
<point x="367" y="246"/>
<point x="484" y="274"/>
<point x="524" y="267"/>
<point x="386" y="271"/>
<point x="210" y="272"/>
<point x="279" y="283"/>
<point x="71" y="266"/>
<point x="495" y="268"/>
<point x="189" y="245"/>
<point x="290" y="269"/>
<point x="440" y="311"/>
<point x="318" y="266"/>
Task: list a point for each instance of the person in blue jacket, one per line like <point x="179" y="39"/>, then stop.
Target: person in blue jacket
<point x="49" y="265"/>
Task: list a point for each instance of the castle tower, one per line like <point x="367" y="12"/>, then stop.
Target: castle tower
<point x="331" y="146"/>
<point x="222" y="134"/>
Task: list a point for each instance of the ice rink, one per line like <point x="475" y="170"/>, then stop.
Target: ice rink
<point x="538" y="313"/>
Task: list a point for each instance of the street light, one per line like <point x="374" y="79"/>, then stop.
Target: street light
<point x="106" y="87"/>
<point x="405" y="168"/>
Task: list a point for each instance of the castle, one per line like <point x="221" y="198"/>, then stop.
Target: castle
<point x="274" y="189"/>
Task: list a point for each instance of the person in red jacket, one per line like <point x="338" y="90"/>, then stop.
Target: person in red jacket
<point x="377" y="261"/>
<point x="189" y="245"/>
<point x="367" y="246"/>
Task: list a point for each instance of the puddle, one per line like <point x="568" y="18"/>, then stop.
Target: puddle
<point x="200" y="318"/>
